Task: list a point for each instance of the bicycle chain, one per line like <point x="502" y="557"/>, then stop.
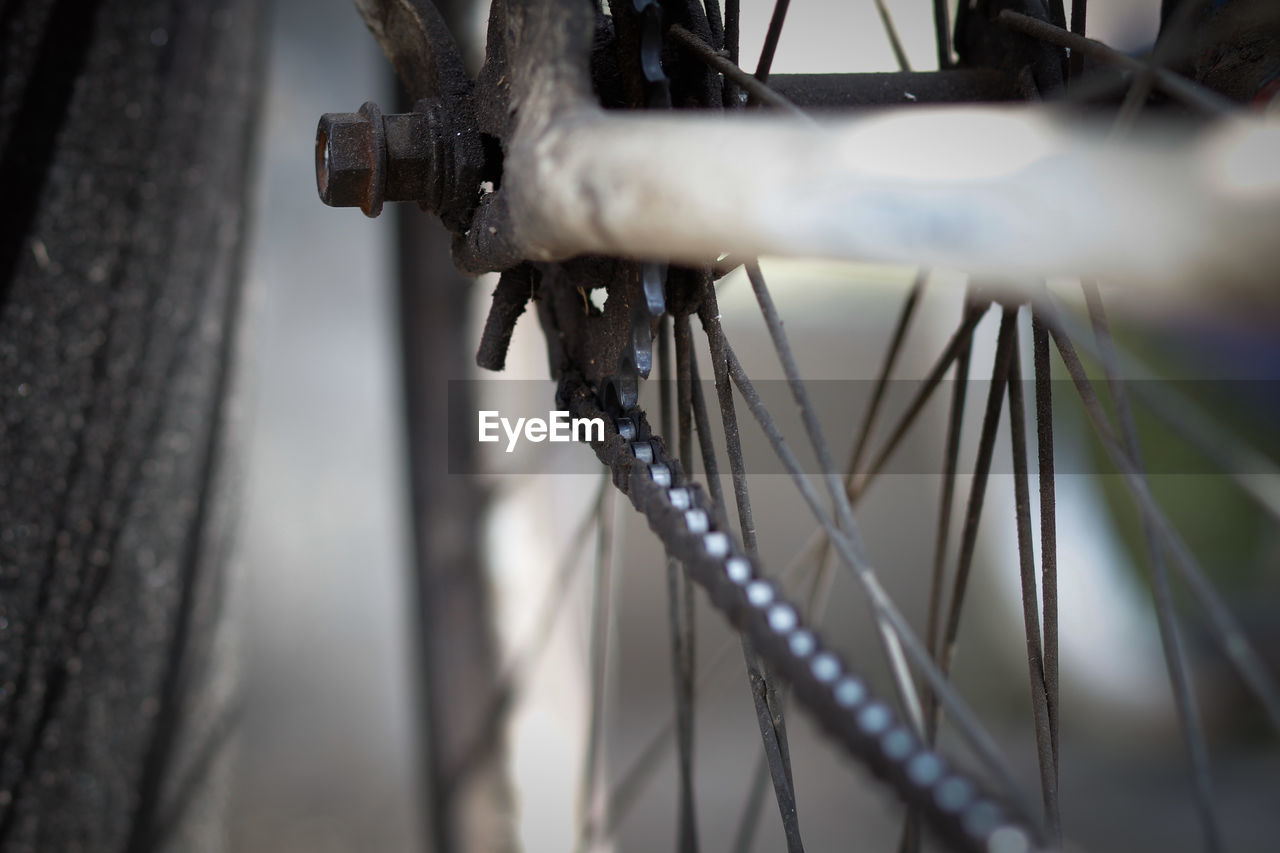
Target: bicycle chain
<point x="682" y="517"/>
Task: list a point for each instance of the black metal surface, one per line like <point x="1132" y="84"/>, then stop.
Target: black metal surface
<point x="983" y="42"/>
<point x="838" y="91"/>
<point x="515" y="289"/>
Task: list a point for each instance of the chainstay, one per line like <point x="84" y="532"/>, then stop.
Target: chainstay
<point x="681" y="515"/>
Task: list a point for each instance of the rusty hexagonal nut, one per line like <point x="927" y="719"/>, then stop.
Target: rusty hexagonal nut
<point x="350" y="159"/>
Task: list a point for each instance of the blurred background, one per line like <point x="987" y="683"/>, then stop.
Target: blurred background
<point x="330" y="744"/>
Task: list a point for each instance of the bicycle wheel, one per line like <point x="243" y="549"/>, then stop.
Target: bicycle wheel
<point x="124" y="166"/>
<point x="674" y="56"/>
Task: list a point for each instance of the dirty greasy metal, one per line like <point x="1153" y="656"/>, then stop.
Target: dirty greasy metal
<point x="984" y="43"/>
<point x="843" y="91"/>
<point x="366" y="158"/>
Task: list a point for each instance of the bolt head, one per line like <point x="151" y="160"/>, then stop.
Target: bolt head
<point x="345" y="160"/>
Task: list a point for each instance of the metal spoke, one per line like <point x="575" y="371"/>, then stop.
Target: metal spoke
<point x="1166" y="618"/>
<point x="978" y="489"/>
<point x="903" y="681"/>
<point x="910" y="838"/>
<point x="1173" y="84"/>
<point x="1225" y="628"/>
<point x="776" y="20"/>
<point x="1048" y="521"/>
<point x="1030" y="599"/>
<point x="641" y="771"/>
<point x="680" y="610"/>
<point x="756" y="89"/>
<point x="553" y="601"/>
<point x="891" y="32"/>
<point x="942" y="33"/>
<point x="633" y="780"/>
<point x="592" y="800"/>
<point x="965" y="721"/>
<point x="709" y="314"/>
<point x="955" y="425"/>
<point x="815" y="611"/>
<point x="1231" y="454"/>
<point x="955" y="420"/>
<point x="716" y="23"/>
<point x="732" y="14"/>
<point x="882" y="381"/>
<point x="680" y="614"/>
<point x="749" y="822"/>
<point x="1144" y="82"/>
<point x="1079" y="9"/>
<point x="770" y="714"/>
<point x="959" y="343"/>
<point x="1057" y="13"/>
<point x="512" y="679"/>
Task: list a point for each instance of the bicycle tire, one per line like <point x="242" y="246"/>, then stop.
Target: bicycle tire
<point x="125" y="136"/>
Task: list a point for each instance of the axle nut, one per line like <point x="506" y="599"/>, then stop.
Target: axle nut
<point x="351" y="159"/>
<point x="427" y="156"/>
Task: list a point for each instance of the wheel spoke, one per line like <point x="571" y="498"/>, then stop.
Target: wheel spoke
<point x="770" y="714"/>
<point x="955" y="425"/>
<point x="1166" y="618"/>
<point x="882" y="381"/>
<point x="977" y="491"/>
<point x="955" y="421"/>
<point x="680" y="614"/>
<point x="715" y="22"/>
<point x="965" y="721"/>
<point x="1175" y="85"/>
<point x="732" y="15"/>
<point x="815" y="611"/>
<point x="516" y="671"/>
<point x="891" y="33"/>
<point x="960" y="342"/>
<point x="1225" y="628"/>
<point x="1143" y="82"/>
<point x="641" y="770"/>
<point x="1252" y="471"/>
<point x="592" y="801"/>
<point x="553" y="600"/>
<point x="680" y="611"/>
<point x="903" y="681"/>
<point x="1079" y="13"/>
<point x="776" y="20"/>
<point x="942" y="33"/>
<point x="1030" y="599"/>
<point x="1048" y="522"/>
<point x="757" y="90"/>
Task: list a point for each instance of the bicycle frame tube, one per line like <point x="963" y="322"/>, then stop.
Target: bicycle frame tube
<point x="1009" y="192"/>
